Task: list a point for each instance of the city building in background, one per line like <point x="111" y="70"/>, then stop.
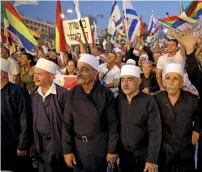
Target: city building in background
<point x="47" y="27"/>
<point x="36" y="25"/>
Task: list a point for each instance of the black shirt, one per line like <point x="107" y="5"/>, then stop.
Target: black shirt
<point x="90" y="114"/>
<point x="149" y="82"/>
<point x="140" y="125"/>
<point x="16" y="117"/>
<point x="177" y="120"/>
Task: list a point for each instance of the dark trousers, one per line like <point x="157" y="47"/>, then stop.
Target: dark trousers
<point x="90" y="163"/>
<point x="11" y="162"/>
<point x="131" y="163"/>
<point x="91" y="155"/>
<point x="47" y="163"/>
<point x="177" y="162"/>
<point x="199" y="164"/>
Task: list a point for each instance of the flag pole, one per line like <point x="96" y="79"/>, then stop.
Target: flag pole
<point x="92" y="34"/>
<point x="83" y="31"/>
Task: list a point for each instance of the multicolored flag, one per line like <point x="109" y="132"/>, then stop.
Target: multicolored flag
<point x="194" y="9"/>
<point x="189" y="18"/>
<point x="16" y="27"/>
<point x="178" y="21"/>
<point x="60" y="41"/>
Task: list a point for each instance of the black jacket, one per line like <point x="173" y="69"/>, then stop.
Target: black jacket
<point x="150" y="82"/>
<point x="89" y="115"/>
<point x="177" y="121"/>
<point x="140" y="125"/>
<point x="16" y="118"/>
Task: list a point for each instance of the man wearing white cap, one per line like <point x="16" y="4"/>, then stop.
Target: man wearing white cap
<point x="48" y="102"/>
<point x="131" y="62"/>
<point x="14" y="71"/>
<point x="179" y="109"/>
<point x="140" y="125"/>
<point x="90" y="128"/>
<point x="109" y="73"/>
<point x="16" y="123"/>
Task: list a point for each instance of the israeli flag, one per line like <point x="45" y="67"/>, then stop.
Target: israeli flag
<point x="115" y="20"/>
<point x="152" y="28"/>
<point x="132" y="21"/>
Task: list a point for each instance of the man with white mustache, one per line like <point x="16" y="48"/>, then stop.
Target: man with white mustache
<point x="140" y="124"/>
<point x="179" y="109"/>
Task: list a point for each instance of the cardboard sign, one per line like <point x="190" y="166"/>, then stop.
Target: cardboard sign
<point x="72" y="29"/>
<point x="66" y="81"/>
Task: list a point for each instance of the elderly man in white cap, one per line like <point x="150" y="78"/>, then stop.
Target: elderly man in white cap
<point x="140" y="123"/>
<point x="131" y="62"/>
<point x="109" y="73"/>
<point x="90" y="128"/>
<point x="48" y="101"/>
<point x="16" y="123"/>
<point x="179" y="109"/>
<point x="14" y="71"/>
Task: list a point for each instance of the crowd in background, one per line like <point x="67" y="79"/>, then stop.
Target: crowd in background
<point x="152" y="59"/>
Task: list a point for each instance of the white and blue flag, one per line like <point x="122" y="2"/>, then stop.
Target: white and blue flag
<point x="132" y="21"/>
<point x="152" y="28"/>
<point x="115" y="20"/>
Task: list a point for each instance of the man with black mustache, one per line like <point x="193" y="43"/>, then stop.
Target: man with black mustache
<point x="179" y="109"/>
<point x="90" y="126"/>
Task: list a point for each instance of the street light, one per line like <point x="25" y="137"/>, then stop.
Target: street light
<point x="62" y="16"/>
<point x="69" y="11"/>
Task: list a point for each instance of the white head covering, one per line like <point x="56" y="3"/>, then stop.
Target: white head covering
<point x="131" y="61"/>
<point x="47" y="65"/>
<point x="130" y="70"/>
<point x="174" y="67"/>
<point x="145" y="56"/>
<point x="118" y="50"/>
<point x="136" y="52"/>
<point x="5" y="65"/>
<point x="89" y="59"/>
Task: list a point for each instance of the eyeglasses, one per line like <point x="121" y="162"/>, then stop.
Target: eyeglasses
<point x="83" y="70"/>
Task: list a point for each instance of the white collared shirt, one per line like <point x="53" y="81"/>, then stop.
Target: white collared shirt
<point x="51" y="90"/>
<point x="112" y="76"/>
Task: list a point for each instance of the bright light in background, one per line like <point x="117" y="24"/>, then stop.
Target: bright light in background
<point x="62" y="15"/>
<point x="69" y="11"/>
<point x="165" y="30"/>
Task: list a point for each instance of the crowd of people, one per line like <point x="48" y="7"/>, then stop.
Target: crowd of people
<point x="136" y="107"/>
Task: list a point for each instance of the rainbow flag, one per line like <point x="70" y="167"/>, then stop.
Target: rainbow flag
<point x="60" y="41"/>
<point x="16" y="27"/>
<point x="193" y="13"/>
<point x="178" y="21"/>
<point x="194" y="9"/>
